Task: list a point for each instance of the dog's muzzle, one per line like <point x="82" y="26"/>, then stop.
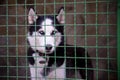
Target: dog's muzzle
<point x="48" y="47"/>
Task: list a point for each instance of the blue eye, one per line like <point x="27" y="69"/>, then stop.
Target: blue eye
<point x="42" y="32"/>
<point x="54" y="32"/>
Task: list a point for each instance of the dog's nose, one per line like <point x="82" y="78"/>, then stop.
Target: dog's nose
<point x="48" y="47"/>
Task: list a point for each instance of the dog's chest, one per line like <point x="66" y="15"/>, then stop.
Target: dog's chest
<point x="44" y="67"/>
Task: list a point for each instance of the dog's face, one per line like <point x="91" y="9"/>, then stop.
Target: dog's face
<point x="45" y="32"/>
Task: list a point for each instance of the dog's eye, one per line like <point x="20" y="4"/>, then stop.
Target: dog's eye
<point x="42" y="32"/>
<point x="54" y="32"/>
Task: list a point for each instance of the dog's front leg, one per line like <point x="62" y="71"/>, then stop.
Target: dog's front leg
<point x="35" y="73"/>
<point x="37" y="69"/>
<point x="59" y="73"/>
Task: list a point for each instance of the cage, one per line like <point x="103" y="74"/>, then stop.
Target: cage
<point x="91" y="24"/>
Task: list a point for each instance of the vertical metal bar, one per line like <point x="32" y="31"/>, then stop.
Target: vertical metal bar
<point x="45" y="4"/>
<point x="54" y="7"/>
<point x="36" y="66"/>
<point x="7" y="40"/>
<point x="65" y="46"/>
<point x="85" y="14"/>
<point x="108" y="53"/>
<point x="118" y="39"/>
<point x="75" y="38"/>
<point x="16" y="35"/>
<point x="26" y="47"/>
<point x="96" y="25"/>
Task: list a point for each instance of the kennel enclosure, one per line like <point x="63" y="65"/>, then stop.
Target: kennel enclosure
<point x="92" y="24"/>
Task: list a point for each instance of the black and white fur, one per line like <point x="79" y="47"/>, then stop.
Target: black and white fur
<point x="49" y="58"/>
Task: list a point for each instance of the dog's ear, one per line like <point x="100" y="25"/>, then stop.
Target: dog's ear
<point x="61" y="16"/>
<point x="32" y="16"/>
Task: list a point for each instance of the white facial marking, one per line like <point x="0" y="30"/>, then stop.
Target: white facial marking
<point x="38" y="41"/>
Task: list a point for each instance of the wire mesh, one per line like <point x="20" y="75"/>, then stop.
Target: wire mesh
<point x="90" y="24"/>
<point x="118" y="38"/>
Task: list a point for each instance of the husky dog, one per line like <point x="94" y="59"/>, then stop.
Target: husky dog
<point x="49" y="57"/>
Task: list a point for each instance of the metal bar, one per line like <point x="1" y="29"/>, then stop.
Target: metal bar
<point x="118" y="39"/>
